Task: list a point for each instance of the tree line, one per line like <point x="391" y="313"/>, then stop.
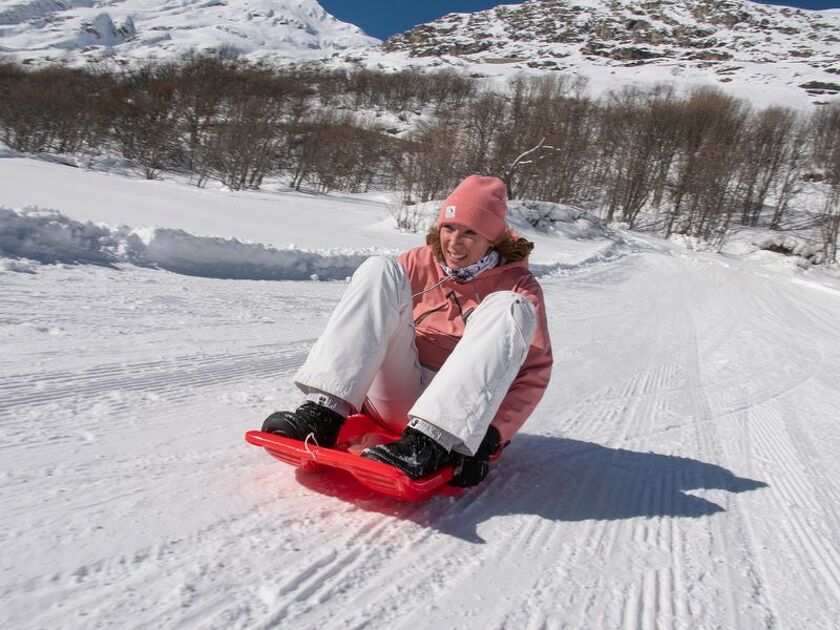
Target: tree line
<point x="697" y="164"/>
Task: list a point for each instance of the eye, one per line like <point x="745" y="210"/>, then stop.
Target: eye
<point x="447" y="228"/>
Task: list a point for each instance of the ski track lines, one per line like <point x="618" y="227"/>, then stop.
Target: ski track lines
<point x="724" y="533"/>
<point x="405" y="574"/>
<point x="804" y="525"/>
<point x="804" y="521"/>
<point x="172" y="378"/>
<point x="763" y="392"/>
<point x="798" y="516"/>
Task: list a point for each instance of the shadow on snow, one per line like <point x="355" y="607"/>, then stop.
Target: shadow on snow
<point x="559" y="480"/>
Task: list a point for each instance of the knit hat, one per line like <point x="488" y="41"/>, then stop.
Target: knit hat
<point x="479" y="203"/>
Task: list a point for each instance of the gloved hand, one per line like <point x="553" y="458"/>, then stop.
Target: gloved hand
<point x="470" y="471"/>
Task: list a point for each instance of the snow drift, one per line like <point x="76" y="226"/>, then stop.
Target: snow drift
<point x="47" y="236"/>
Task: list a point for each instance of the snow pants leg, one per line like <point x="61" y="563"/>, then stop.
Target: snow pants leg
<point x="468" y="390"/>
<point x="367" y="353"/>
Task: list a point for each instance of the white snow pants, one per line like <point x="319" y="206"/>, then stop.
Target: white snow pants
<point x="367" y="355"/>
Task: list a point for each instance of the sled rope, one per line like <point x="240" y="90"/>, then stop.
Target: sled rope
<point x="434" y="286"/>
<point x="312" y="454"/>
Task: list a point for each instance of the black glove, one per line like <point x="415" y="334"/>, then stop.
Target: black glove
<point x="470" y="471"/>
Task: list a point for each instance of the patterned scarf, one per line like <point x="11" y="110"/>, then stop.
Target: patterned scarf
<point x="490" y="260"/>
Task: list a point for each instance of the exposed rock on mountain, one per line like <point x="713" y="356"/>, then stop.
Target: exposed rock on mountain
<point x="724" y="41"/>
<point x="626" y="31"/>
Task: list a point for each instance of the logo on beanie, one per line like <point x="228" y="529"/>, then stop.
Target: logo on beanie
<point x="449" y="212"/>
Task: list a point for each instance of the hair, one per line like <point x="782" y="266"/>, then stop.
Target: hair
<point x="510" y="248"/>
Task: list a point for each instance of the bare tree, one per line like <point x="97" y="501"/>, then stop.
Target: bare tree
<point x="51" y="109"/>
<point x="430" y="164"/>
<point x="482" y="120"/>
<point x="203" y="85"/>
<point x="246" y="139"/>
<point x="146" y="117"/>
<point x="546" y="108"/>
<point x="711" y="127"/>
<point x="767" y="148"/>
<point x="826" y="130"/>
<point x="636" y="131"/>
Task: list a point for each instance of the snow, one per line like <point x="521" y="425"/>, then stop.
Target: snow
<point x="132" y="31"/>
<point x="681" y="470"/>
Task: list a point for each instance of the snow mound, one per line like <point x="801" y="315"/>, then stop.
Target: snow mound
<point x="216" y="257"/>
<point x="524" y="216"/>
<point x="6" y="152"/>
<point x="38" y="235"/>
<point x="553" y="218"/>
<point x="47" y="236"/>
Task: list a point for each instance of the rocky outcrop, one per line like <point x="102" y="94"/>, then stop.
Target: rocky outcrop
<point x="625" y="31"/>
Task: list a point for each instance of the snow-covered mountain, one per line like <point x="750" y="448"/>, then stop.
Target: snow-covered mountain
<point x="769" y="54"/>
<point x="79" y="31"/>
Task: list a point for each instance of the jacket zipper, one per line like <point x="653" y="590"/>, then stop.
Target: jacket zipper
<point x="427" y="313"/>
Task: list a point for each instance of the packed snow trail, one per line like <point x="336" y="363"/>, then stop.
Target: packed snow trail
<point x="681" y="471"/>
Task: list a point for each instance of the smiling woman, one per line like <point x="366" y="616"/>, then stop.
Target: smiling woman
<point x="445" y="344"/>
<point x="462" y="246"/>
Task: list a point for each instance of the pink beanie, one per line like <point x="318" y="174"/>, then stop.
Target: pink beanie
<point x="479" y="203"/>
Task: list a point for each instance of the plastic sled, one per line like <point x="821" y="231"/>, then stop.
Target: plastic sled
<point x="357" y="433"/>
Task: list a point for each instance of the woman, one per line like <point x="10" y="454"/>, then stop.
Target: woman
<point x="447" y="344"/>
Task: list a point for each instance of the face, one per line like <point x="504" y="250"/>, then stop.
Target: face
<point x="461" y="246"/>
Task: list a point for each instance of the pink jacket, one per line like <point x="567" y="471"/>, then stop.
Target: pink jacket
<point x="439" y="325"/>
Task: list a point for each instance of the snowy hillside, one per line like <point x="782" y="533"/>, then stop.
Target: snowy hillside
<point x="680" y="472"/>
<point x="769" y="55"/>
<point x="80" y="31"/>
<point x="763" y="53"/>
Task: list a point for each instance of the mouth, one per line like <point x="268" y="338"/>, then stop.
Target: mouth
<point x="456" y="258"/>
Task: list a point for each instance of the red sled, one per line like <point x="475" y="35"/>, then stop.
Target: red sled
<point x="357" y="433"/>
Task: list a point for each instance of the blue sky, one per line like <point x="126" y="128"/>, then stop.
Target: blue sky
<point x="382" y="18"/>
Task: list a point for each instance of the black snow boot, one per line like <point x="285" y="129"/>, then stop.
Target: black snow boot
<point x="415" y="453"/>
<point x="324" y="424"/>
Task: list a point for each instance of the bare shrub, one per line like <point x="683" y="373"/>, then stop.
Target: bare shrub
<point x="637" y="141"/>
<point x="767" y="146"/>
<point x="707" y="157"/>
<point x="52" y="109"/>
<point x="146" y="118"/>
